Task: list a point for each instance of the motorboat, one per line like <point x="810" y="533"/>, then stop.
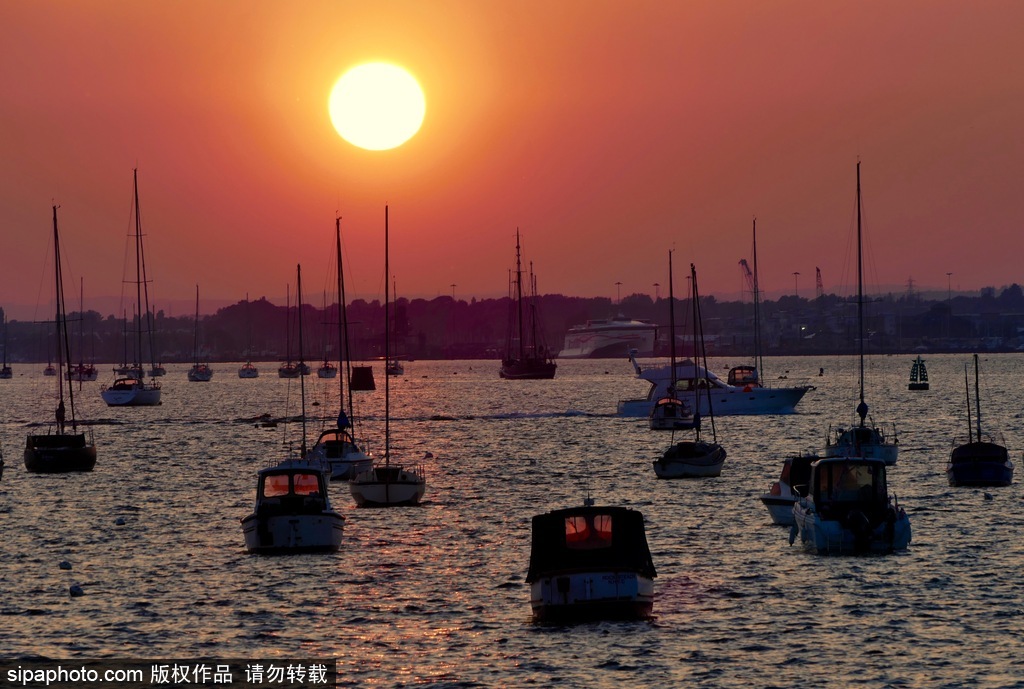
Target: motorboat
<point x="386" y="484"/>
<point x="848" y="509"/>
<point x="918" y="375"/>
<point x="336" y="448"/>
<point x="526" y="357"/>
<point x="62" y="449"/>
<point x="131" y="390"/>
<point x="293" y="512"/>
<point x="609" y="338"/>
<point x="327" y="370"/>
<point x="791" y="485"/>
<point x="864" y="438"/>
<point x="980" y="459"/>
<point x="590" y="563"/>
<point x="690" y="377"/>
<point x="671" y="413"/>
<point x="696" y="457"/>
<point x="200" y="371"/>
<point x="248" y="370"/>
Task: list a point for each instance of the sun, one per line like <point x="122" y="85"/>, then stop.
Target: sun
<point x="377" y="106"/>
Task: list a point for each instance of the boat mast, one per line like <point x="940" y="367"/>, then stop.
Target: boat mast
<point x="671" y="328"/>
<point x="302" y="378"/>
<point x="138" y="271"/>
<point x="977" y="399"/>
<point x="758" y="354"/>
<point x="343" y="327"/>
<point x="195" y="342"/>
<point x="862" y="408"/>
<point x="387" y="345"/>
<point x="519" y="299"/>
<point x="63" y="350"/>
<point x="967" y="390"/>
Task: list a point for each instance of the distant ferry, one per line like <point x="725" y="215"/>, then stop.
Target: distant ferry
<point x="609" y="338"/>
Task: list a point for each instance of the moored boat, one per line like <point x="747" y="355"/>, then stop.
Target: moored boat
<point x="526" y="357"/>
<point x="590" y="563"/>
<point x="671" y="413"/>
<point x="980" y="459"/>
<point x="791" y="485"/>
<point x="848" y="509"/>
<point x="200" y="371"/>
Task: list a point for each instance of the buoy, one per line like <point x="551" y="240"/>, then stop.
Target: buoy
<point x="120" y="521"/>
<point x="428" y="455"/>
<point x="76" y="591"/>
<point x="64" y="564"/>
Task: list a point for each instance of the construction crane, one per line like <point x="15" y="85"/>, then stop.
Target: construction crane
<point x="819" y="291"/>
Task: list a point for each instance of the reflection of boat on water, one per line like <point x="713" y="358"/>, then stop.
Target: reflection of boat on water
<point x="848" y="509"/>
<point x="526" y="357"/>
<point x="590" y="563"/>
<point x="918" y="375"/>
<point x="728" y="399"/>
<point x="58" y="451"/>
<point x="609" y="338"/>
<point x="979" y="459"/>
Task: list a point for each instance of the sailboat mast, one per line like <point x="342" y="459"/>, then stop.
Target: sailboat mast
<point x="63" y="354"/>
<point x="387" y="345"/>
<point x="138" y="270"/>
<point x="671" y="326"/>
<point x="195" y="339"/>
<point x="758" y="353"/>
<point x="967" y="391"/>
<point x="860" y="302"/>
<point x="302" y="378"/>
<point x="343" y="324"/>
<point x="519" y="299"/>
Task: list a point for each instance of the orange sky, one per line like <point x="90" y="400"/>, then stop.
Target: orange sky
<point x="608" y="132"/>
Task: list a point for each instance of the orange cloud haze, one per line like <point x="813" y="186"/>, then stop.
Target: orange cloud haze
<point x="608" y="132"/>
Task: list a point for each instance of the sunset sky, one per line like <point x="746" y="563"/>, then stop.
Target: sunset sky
<point x="607" y="132"/>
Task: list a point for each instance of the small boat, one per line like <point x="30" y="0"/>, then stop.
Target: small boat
<point x="790" y="487"/>
<point x="361" y="379"/>
<point x="131" y="390"/>
<point x="327" y="370"/>
<point x="695" y="458"/>
<point x="293" y="512"/>
<point x="387" y="484"/>
<point x="50" y="370"/>
<point x="248" y="369"/>
<point x="336" y="448"/>
<point x="864" y="438"/>
<point x="848" y="509"/>
<point x="980" y="459"/>
<point x="289" y="369"/>
<point x="200" y="371"/>
<point x="82" y="372"/>
<point x="394" y="367"/>
<point x="918" y="375"/>
<point x="58" y="450"/>
<point x="590" y="563"/>
<point x="671" y="413"/>
<point x="526" y="357"/>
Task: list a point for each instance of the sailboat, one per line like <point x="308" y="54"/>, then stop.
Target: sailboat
<point x="864" y="439"/>
<point x="293" y="512"/>
<point x="392" y="365"/>
<point x="200" y="371"/>
<point x="326" y="369"/>
<point x="697" y="457"/>
<point x="82" y="371"/>
<point x="248" y="369"/>
<point x="5" y="371"/>
<point x="336" y="447"/>
<point x="387" y="484"/>
<point x="748" y="376"/>
<point x="288" y="369"/>
<point x="981" y="459"/>
<point x="918" y="375"/>
<point x="525" y="357"/>
<point x="59" y="451"/>
<point x="132" y="390"/>
<point x="671" y="413"/>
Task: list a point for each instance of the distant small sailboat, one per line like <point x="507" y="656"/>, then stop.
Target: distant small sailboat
<point x="671" y="413"/>
<point x="5" y="371"/>
<point x="248" y="369"/>
<point x="200" y="371"/>
<point x="918" y="375"/>
<point x="526" y="357"/>
<point x="289" y="369"/>
<point x="980" y="459"/>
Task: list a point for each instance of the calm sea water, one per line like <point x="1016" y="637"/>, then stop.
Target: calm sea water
<point x="435" y="595"/>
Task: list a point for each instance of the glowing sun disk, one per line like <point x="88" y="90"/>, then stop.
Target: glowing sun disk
<point x="377" y="106"/>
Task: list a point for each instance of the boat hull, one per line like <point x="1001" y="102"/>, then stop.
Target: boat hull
<point x="514" y="369"/>
<point x="854" y="535"/>
<point x="727" y="401"/>
<point x="293" y="533"/>
<point x="131" y="396"/>
<point x="248" y="372"/>
<point x="200" y="374"/>
<point x="59" y="453"/>
<point x="388" y="486"/>
<point x="780" y="508"/>
<point x="691" y="459"/>
<point x="979" y="464"/>
<point x="597" y="595"/>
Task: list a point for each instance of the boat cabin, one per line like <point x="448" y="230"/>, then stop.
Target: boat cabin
<point x="796" y="472"/>
<point x="337" y="443"/>
<point x="291" y="490"/>
<point x="587" y="538"/>
<point x="743" y="375"/>
<point x="842" y="485"/>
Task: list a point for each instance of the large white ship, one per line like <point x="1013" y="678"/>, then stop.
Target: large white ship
<point x="609" y="338"/>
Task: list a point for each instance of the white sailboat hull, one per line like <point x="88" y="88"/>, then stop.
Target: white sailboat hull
<point x="388" y="486"/>
<point x="138" y="396"/>
<point x="293" y="532"/>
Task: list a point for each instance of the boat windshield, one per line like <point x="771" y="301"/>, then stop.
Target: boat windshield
<point x="277" y="485"/>
<point x="588" y="532"/>
<point x="852" y="483"/>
